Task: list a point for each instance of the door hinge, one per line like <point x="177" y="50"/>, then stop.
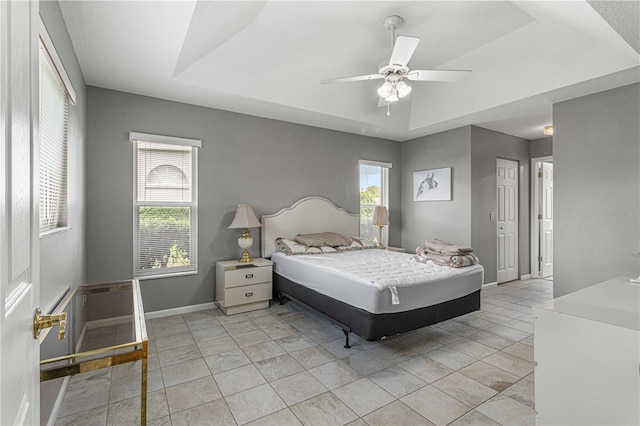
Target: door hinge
<point x="540" y="174"/>
<point x="539" y="216"/>
<point x="539" y="258"/>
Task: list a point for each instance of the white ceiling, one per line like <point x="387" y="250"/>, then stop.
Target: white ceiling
<point x="267" y="58"/>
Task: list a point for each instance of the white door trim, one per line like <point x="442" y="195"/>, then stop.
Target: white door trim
<point x="535" y="208"/>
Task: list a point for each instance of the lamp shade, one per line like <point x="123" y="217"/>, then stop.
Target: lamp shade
<point x="403" y="89"/>
<point x="245" y="218"/>
<point x="385" y="89"/>
<point x="393" y="96"/>
<point x="380" y="216"/>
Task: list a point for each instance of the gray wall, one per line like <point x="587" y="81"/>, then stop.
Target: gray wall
<point x="486" y="147"/>
<point x="266" y="163"/>
<point x="447" y="220"/>
<point x="62" y="256"/>
<point x="542" y="147"/>
<point x="472" y="152"/>
<point x="596" y="188"/>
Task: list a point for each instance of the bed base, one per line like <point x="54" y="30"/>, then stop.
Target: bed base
<point x="345" y="328"/>
<point x="373" y="326"/>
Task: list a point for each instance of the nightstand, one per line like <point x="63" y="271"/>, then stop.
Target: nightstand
<point x="242" y="287"/>
<point x="398" y="249"/>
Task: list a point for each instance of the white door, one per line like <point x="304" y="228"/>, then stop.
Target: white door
<point x="507" y="197"/>
<point x="19" y="290"/>
<point x="546" y="220"/>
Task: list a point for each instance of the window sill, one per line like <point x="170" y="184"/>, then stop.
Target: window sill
<point x="166" y="275"/>
<point x="54" y="232"/>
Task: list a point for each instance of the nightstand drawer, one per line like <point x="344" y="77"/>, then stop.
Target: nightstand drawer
<point x="247" y="276"/>
<point x="247" y="294"/>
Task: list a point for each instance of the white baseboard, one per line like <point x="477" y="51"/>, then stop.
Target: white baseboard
<point x="56" y="407"/>
<point x="107" y="322"/>
<point x="495" y="283"/>
<point x="525" y="277"/>
<point x="180" y="310"/>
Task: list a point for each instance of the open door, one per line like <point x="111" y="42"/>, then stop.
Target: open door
<point x="546" y="219"/>
<point x="19" y="280"/>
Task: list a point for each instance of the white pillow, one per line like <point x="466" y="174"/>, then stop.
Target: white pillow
<point x="291" y="247"/>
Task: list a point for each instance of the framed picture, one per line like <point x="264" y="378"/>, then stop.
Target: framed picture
<point x="432" y="185"/>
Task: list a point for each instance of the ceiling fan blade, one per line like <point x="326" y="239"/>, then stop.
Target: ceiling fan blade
<point x="356" y="78"/>
<point x="403" y="50"/>
<point x="438" y="75"/>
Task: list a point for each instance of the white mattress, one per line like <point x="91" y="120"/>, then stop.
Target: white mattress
<point x="367" y="279"/>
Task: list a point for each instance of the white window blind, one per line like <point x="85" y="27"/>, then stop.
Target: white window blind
<point x="54" y="112"/>
<point x="165" y="202"/>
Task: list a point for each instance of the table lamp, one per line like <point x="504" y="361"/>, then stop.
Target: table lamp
<point x="245" y="219"/>
<point x="380" y="219"/>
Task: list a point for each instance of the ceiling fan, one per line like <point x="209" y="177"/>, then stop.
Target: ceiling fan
<point x="394" y="88"/>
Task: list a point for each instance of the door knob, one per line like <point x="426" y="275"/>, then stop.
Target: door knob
<point x="40" y="322"/>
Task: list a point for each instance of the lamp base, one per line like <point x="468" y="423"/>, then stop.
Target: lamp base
<point x="379" y="242"/>
<point x="245" y="242"/>
<point x="245" y="257"/>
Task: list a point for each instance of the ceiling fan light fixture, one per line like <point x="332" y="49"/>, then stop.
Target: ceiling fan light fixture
<point x="403" y="89"/>
<point x="393" y="96"/>
<point x="393" y="87"/>
<point x="385" y="90"/>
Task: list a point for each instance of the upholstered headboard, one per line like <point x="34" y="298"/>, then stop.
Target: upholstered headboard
<point x="306" y="216"/>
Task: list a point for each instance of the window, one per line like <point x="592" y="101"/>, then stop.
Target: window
<point x="374" y="191"/>
<point x="165" y="205"/>
<point x="54" y="112"/>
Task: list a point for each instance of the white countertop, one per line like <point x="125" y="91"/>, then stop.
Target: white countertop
<point x="615" y="302"/>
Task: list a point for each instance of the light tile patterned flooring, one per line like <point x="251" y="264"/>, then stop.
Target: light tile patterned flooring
<point x="287" y="366"/>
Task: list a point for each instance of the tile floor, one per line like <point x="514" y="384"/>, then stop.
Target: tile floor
<point x="287" y="366"/>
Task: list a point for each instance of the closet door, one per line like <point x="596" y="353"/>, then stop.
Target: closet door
<point x="507" y="232"/>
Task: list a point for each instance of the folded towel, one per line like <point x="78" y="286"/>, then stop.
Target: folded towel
<point x="442" y="247"/>
<point x="458" y="261"/>
<point x="437" y="256"/>
<point x="420" y="259"/>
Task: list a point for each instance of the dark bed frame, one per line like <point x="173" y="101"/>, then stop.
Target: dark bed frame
<point x="372" y="326"/>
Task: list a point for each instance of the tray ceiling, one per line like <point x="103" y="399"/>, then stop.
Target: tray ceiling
<point x="267" y="58"/>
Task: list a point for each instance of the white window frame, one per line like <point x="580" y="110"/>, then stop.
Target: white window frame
<point x="55" y="63"/>
<point x="384" y="190"/>
<point x="192" y="269"/>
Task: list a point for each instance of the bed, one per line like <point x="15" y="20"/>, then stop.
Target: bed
<point x="374" y="293"/>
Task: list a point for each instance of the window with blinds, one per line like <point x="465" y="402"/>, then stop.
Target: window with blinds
<point x="54" y="112"/>
<point x="374" y="191"/>
<point x="165" y="203"/>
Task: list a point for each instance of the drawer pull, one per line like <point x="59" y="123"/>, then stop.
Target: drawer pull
<point x="248" y="276"/>
<point x="248" y="294"/>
